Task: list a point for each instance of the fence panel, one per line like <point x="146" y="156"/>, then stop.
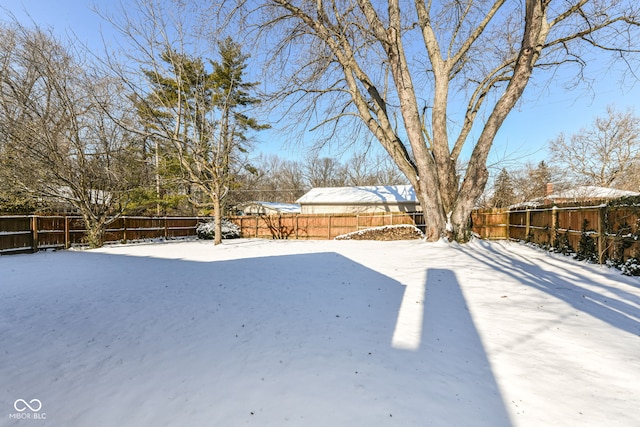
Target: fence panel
<point x="115" y="231"/>
<point x="342" y="224"/>
<point x="16" y="234"/>
<point x="541" y="227"/>
<point x="614" y="229"/>
<point x="492" y="224"/>
<point x="312" y="227"/>
<point x="622" y="225"/>
<point x="140" y="228"/>
<point x="181" y="226"/>
<point x="518" y="224"/>
<point x="318" y="226"/>
<point x="20" y="234"/>
<point x="51" y="232"/>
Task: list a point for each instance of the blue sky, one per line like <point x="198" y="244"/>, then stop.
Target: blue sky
<point x="544" y="113"/>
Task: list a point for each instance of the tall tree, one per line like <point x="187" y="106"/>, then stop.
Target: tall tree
<point x="324" y="172"/>
<point x="200" y="111"/>
<point x="537" y="180"/>
<point x="532" y="181"/>
<point x="503" y="190"/>
<point x="272" y="179"/>
<point x="231" y="96"/>
<point x="399" y="67"/>
<point x="605" y="154"/>
<point x="363" y="169"/>
<point x="57" y="130"/>
<point x="200" y="108"/>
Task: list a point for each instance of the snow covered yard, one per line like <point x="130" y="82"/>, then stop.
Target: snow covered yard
<point x="317" y="333"/>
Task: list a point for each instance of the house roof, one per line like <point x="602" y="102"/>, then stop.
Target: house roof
<point x="592" y="192"/>
<point x="280" y="207"/>
<point x="376" y="194"/>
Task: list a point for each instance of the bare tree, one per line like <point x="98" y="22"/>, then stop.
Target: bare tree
<point x="279" y="180"/>
<point x="531" y="182"/>
<point x="324" y="172"/>
<point x="606" y="154"/>
<point x="199" y="107"/>
<point x="59" y="141"/>
<point x="271" y="179"/>
<point x="400" y="68"/>
<point x="365" y="169"/>
<point x="630" y="178"/>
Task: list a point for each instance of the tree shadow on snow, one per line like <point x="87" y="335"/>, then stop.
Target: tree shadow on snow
<point x="572" y="287"/>
<point x="310" y="339"/>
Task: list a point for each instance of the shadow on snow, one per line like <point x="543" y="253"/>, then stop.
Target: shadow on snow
<point x="575" y="289"/>
<point x="314" y="339"/>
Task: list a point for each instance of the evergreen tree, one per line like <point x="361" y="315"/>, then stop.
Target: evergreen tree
<point x="230" y="96"/>
<point x="538" y="180"/>
<point x="504" y="194"/>
<point x="199" y="110"/>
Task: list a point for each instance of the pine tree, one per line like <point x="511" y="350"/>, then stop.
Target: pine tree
<point x="538" y="180"/>
<point x="504" y="193"/>
<point x="198" y="108"/>
<point x="230" y="96"/>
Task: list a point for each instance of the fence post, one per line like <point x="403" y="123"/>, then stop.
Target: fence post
<point x="554" y="224"/>
<point x="124" y="228"/>
<point x="67" y="240"/>
<point x="602" y="235"/>
<point x="297" y="216"/>
<point x="329" y="228"/>
<point x="527" y="224"/>
<point x="508" y="224"/>
<point x="34" y="233"/>
<point x="166" y="228"/>
<point x="256" y="217"/>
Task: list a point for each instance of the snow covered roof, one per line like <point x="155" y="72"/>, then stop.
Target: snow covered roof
<point x="98" y="197"/>
<point x="281" y="207"/>
<point x="277" y="206"/>
<point x="592" y="192"/>
<point x="375" y="194"/>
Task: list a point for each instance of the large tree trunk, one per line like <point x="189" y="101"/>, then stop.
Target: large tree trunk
<point x="95" y="229"/>
<point x="475" y="51"/>
<point x="535" y="33"/>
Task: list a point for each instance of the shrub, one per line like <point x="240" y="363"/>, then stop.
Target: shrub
<point x="631" y="267"/>
<point x="587" y="250"/>
<point x="206" y="230"/>
<point x="561" y="245"/>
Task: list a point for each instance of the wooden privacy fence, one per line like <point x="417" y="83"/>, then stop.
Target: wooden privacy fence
<point x="20" y="234"/>
<point x="34" y="232"/>
<point x="318" y="226"/>
<point x="615" y="229"/>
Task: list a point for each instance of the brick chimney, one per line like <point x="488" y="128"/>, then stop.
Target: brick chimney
<point x="549" y="190"/>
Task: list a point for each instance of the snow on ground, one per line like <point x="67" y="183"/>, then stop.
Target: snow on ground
<point x="316" y="333"/>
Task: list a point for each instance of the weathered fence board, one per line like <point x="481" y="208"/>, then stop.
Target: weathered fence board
<point x="32" y="233"/>
<point x="614" y="229"/>
<point x="20" y="234"/>
<point x="318" y="226"/>
<point x="491" y="224"/>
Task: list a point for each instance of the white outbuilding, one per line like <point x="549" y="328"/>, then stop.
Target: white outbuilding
<point x="362" y="199"/>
